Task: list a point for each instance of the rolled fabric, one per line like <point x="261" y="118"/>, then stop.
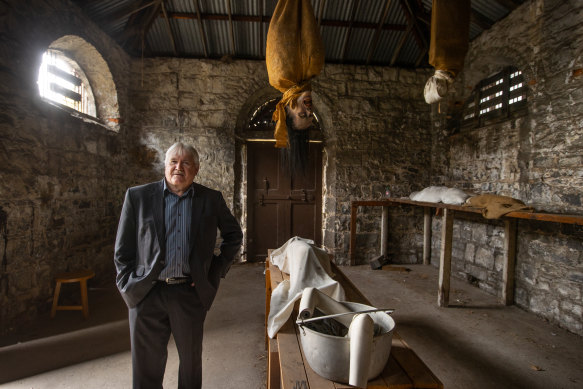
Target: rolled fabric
<point x="308" y="303"/>
<point x="360" y="332"/>
<point x="312" y="298"/>
<point x="294" y="54"/>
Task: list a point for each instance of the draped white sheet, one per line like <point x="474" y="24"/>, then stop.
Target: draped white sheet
<point x="307" y="266"/>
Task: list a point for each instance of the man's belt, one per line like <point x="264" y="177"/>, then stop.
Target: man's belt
<point x="176" y="280"/>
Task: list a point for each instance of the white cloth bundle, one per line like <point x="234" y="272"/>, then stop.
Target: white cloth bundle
<point x="440" y="194"/>
<point x="437" y="86"/>
<point x="307" y="266"/>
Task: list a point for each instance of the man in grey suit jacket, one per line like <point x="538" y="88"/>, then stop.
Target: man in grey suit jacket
<point x="167" y="270"/>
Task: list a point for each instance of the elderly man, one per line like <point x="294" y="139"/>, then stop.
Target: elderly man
<point x="167" y="271"/>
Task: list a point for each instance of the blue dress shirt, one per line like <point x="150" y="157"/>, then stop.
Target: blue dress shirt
<point x="177" y="215"/>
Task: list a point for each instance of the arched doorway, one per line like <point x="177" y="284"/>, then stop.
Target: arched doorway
<point x="279" y="206"/>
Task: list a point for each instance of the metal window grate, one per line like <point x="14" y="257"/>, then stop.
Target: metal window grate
<point x="60" y="81"/>
<point x="498" y="96"/>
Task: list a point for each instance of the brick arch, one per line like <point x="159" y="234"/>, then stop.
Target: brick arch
<point x="98" y="74"/>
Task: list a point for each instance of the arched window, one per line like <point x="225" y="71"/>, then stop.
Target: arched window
<point x="74" y="76"/>
<point x="497" y="97"/>
<point x="62" y="81"/>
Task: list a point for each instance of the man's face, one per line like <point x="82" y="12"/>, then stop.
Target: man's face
<point x="180" y="172"/>
<point x="303" y="113"/>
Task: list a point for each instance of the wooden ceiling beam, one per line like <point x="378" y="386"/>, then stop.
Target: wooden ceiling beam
<point x="348" y="33"/>
<point x="401" y="44"/>
<point x="412" y="18"/>
<point x="267" y="19"/>
<point x="321" y="11"/>
<point x="139" y="24"/>
<point x="377" y="35"/>
<point x="231" y="32"/>
<point x="201" y="29"/>
<point x="125" y="13"/>
<point x="169" y="29"/>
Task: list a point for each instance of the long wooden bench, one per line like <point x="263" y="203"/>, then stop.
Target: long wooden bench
<point x="287" y="368"/>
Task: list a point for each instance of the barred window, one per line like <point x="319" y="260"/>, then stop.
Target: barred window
<point x="62" y="81"/>
<point x="499" y="96"/>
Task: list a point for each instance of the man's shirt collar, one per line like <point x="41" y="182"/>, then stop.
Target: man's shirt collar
<point x="188" y="193"/>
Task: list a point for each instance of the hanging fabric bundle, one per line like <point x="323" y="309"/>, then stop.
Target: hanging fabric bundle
<point x="450" y="26"/>
<point x="294" y="55"/>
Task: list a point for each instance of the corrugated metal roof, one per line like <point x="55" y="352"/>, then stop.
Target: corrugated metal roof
<point x="349" y="34"/>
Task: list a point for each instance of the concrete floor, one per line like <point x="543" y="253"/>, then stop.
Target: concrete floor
<point x="476" y="343"/>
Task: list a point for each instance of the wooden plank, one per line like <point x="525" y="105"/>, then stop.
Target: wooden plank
<point x="291" y="364"/>
<point x="510" y="261"/>
<point x="445" y="258"/>
<point x="426" y="235"/>
<point x="548" y="217"/>
<point x="273" y="376"/>
<point x="314" y="379"/>
<point x="420" y="375"/>
<point x="394" y="375"/>
<point x="267" y="299"/>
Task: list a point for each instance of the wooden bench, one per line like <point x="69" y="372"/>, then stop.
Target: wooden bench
<point x="287" y="368"/>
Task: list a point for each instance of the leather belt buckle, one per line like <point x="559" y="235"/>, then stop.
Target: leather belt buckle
<point x="176" y="280"/>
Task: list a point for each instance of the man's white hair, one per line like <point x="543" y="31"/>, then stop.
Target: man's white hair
<point x="180" y="148"/>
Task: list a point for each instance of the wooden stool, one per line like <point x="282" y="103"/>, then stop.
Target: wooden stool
<point x="81" y="277"/>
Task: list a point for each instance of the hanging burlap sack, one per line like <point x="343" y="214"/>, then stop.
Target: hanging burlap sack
<point x="294" y="55"/>
<point x="450" y="29"/>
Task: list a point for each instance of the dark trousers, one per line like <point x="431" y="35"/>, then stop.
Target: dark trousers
<point x="167" y="309"/>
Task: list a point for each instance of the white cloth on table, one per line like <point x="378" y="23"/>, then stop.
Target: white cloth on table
<point x="307" y="266"/>
<point x="440" y="194"/>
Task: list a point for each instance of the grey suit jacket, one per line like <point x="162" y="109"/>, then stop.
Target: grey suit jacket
<point x="140" y="243"/>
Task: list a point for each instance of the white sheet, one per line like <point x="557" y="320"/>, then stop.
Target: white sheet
<point x="307" y="266"/>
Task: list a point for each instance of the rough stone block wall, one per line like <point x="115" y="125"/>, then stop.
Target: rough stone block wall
<point x="63" y="178"/>
<point x="368" y="116"/>
<point x="377" y="135"/>
<point x="197" y="102"/>
<point x="535" y="158"/>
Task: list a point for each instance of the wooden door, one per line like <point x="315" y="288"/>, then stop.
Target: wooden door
<point x="279" y="206"/>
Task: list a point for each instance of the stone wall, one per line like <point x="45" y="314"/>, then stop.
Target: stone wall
<point x="63" y="178"/>
<point x="369" y="117"/>
<point x="377" y="135"/>
<point x="536" y="158"/>
<point x="197" y="102"/>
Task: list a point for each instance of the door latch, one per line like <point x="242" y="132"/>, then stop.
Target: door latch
<point x="266" y="186"/>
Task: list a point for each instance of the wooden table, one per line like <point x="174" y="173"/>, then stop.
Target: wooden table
<point x="510" y="233"/>
<point x="288" y="369"/>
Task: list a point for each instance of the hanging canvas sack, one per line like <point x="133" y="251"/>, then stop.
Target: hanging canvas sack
<point x="294" y="55"/>
<point x="450" y="27"/>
